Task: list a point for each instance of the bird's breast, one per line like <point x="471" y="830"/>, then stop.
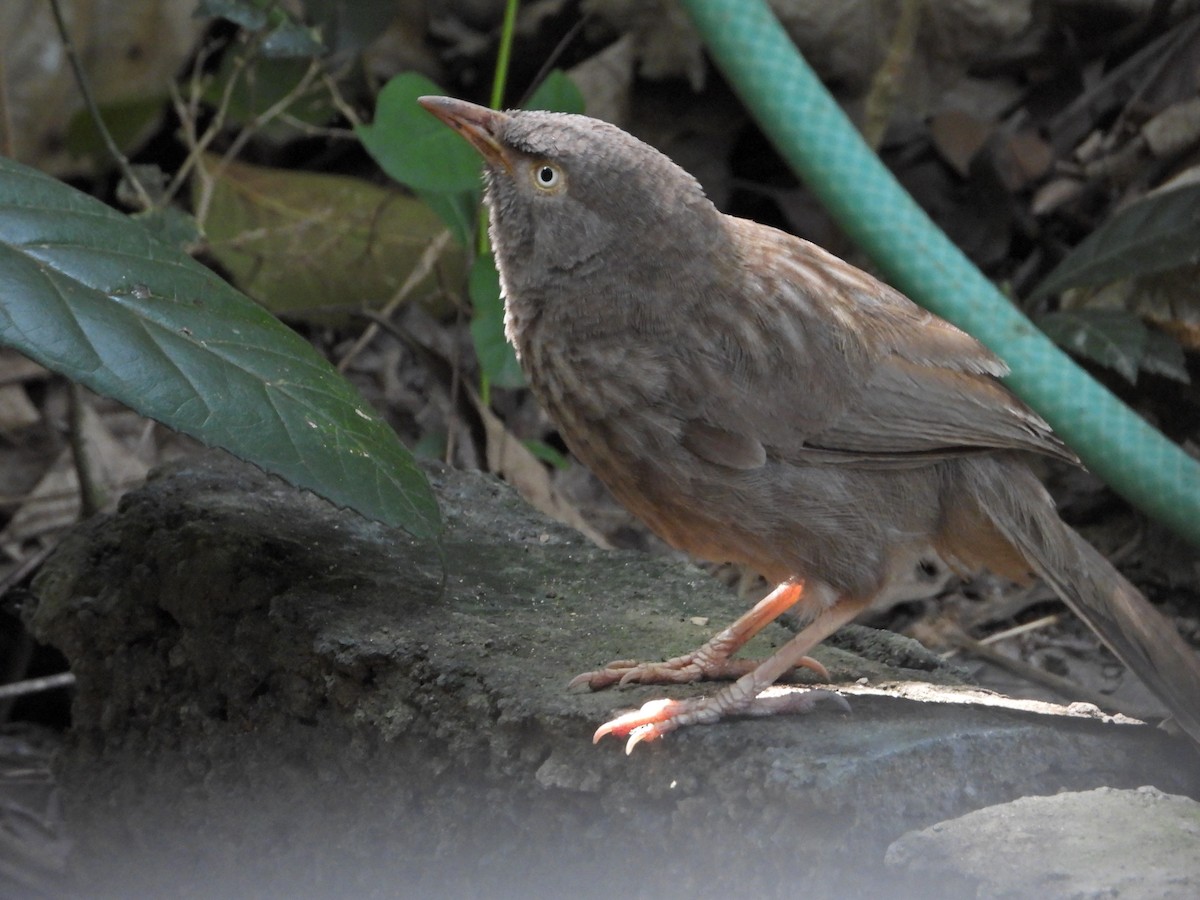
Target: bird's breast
<point x="610" y="395"/>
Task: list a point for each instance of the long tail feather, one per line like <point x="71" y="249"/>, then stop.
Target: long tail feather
<point x="1139" y="635"/>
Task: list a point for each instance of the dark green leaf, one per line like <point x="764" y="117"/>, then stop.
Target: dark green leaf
<point x="291" y="40"/>
<point x="128" y="121"/>
<point x="171" y="225"/>
<point x="1159" y="232"/>
<point x="557" y="93"/>
<point x="457" y="212"/>
<point x="431" y="445"/>
<point x="262" y="84"/>
<point x="548" y="454"/>
<point x="243" y="13"/>
<point x="414" y="147"/>
<point x="496" y="356"/>
<point x="90" y="293"/>
<point x="1112" y="338"/>
<point x="348" y="28"/>
<point x="1164" y="356"/>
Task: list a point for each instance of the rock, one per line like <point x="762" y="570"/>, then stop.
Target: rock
<point x="276" y="697"/>
<point x="1136" y="845"/>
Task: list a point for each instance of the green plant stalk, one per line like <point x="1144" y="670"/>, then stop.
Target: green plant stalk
<point x="499" y="81"/>
<point x="504" y="52"/>
<point x="819" y="142"/>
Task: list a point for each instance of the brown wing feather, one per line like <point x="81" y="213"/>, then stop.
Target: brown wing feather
<point x="870" y="375"/>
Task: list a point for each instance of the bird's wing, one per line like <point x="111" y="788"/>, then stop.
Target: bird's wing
<point x="828" y="362"/>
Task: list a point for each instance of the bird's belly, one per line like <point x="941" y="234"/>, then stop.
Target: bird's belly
<point x="783" y="519"/>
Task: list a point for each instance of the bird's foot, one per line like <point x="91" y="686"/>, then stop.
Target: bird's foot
<point x="699" y="665"/>
<point x="660" y="717"/>
<point x="694" y="666"/>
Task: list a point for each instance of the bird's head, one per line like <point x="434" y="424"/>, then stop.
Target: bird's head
<point x="570" y="195"/>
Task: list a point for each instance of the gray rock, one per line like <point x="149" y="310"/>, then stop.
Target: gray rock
<point x="1137" y="845"/>
<point x="278" y="698"/>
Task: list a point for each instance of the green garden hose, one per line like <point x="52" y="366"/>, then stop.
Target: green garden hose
<point x="822" y="146"/>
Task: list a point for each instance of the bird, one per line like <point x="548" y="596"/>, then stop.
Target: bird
<point x="755" y="399"/>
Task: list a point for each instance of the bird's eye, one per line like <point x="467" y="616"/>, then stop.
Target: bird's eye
<point x="547" y="176"/>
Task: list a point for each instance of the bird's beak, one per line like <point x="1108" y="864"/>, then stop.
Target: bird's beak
<point x="478" y="124"/>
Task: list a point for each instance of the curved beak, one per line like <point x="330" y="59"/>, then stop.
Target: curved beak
<point x="478" y="124"/>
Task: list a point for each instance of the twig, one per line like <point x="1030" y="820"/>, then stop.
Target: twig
<point x="1018" y="630"/>
<point x="91" y="492"/>
<point x="189" y="114"/>
<point x="1062" y="686"/>
<point x="553" y="56"/>
<point x="339" y="102"/>
<point x="235" y="147"/>
<point x="317" y="131"/>
<point x="885" y="86"/>
<point x="423" y="267"/>
<point x="36" y="685"/>
<point x="24" y="567"/>
<point x="90" y="102"/>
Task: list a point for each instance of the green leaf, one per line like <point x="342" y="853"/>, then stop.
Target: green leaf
<point x="496" y="356"/>
<point x="305" y="243"/>
<point x="458" y="212"/>
<point x="1164" y="356"/>
<point x="261" y="84"/>
<point x="292" y="40"/>
<point x="414" y="147"/>
<point x="548" y="454"/>
<point x="1159" y="232"/>
<point x="248" y="15"/>
<point x="348" y="28"/>
<point x="557" y="93"/>
<point x="1113" y="338"/>
<point x="90" y="293"/>
<point x="129" y="122"/>
<point x="171" y="225"/>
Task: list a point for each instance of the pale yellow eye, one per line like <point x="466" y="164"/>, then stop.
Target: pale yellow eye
<point x="547" y="176"/>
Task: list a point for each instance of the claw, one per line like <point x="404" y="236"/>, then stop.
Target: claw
<point x="647" y="717"/>
<point x="814" y="665"/>
<point x="685" y="669"/>
<point x="581" y="680"/>
<point x="639" y="734"/>
<point x="601" y="678"/>
<point x="660" y="717"/>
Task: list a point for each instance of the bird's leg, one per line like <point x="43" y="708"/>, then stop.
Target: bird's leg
<point x="659" y="717"/>
<point x="713" y="660"/>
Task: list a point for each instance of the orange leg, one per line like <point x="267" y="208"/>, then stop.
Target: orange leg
<point x="713" y="660"/>
<point x="659" y="717"/>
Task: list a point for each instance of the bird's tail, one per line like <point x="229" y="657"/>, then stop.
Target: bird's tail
<point x="1135" y="631"/>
